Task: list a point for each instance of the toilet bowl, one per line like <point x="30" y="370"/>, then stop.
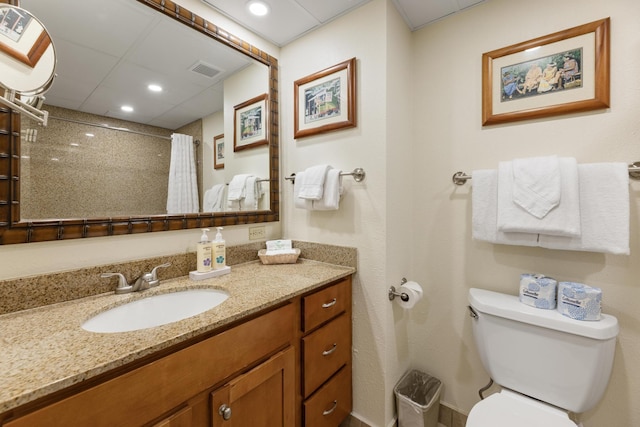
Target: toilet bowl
<point x="510" y="409"/>
<point x="547" y="364"/>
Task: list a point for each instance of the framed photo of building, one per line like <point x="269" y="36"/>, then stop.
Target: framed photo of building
<point x="249" y="123"/>
<point x="21" y="36"/>
<point x="561" y="73"/>
<point x="218" y="151"/>
<point x="325" y="101"/>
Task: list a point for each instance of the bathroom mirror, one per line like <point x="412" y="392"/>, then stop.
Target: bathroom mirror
<point x="15" y="228"/>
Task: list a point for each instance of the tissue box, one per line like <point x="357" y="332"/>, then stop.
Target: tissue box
<point x="579" y="301"/>
<point x="538" y="291"/>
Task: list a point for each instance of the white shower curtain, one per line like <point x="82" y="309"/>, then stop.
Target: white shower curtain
<point x="182" y="195"/>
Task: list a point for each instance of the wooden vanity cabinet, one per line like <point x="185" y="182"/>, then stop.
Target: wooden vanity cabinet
<point x="290" y="366"/>
<point x="326" y="355"/>
<point x="173" y="390"/>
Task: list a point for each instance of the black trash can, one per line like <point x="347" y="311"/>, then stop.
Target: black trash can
<point x="418" y="399"/>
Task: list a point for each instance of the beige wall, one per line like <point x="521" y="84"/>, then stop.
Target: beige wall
<point x="448" y="137"/>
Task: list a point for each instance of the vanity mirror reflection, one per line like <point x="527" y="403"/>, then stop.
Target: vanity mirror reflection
<point x="132" y="154"/>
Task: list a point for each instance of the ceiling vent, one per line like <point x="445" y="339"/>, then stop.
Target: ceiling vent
<point x="204" y="69"/>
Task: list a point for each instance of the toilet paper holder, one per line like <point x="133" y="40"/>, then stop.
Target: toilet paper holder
<point x="393" y="293"/>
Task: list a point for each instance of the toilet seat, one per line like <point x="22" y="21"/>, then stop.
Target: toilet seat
<point x="508" y="409"/>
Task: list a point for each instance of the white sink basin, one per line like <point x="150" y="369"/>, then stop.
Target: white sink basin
<point x="155" y="310"/>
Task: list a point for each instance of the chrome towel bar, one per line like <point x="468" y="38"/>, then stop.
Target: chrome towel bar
<point x="358" y="175"/>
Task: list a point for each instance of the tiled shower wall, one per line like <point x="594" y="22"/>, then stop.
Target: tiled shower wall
<point x="67" y="173"/>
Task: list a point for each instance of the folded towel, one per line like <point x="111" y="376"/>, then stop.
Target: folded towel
<point x="536" y="184"/>
<point x="253" y="193"/>
<point x="564" y="220"/>
<point x="332" y="191"/>
<point x="312" y="182"/>
<point x="213" y="199"/>
<point x="237" y="187"/>
<point x="604" y="211"/>
<point x="484" y="207"/>
<point x="297" y="201"/>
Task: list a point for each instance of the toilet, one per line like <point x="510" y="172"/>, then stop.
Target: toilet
<point x="547" y="364"/>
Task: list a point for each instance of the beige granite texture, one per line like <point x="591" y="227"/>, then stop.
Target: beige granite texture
<point x="112" y="173"/>
<point x="30" y="292"/>
<point x="45" y="349"/>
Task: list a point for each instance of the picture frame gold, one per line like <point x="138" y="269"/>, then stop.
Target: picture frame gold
<point x="503" y="68"/>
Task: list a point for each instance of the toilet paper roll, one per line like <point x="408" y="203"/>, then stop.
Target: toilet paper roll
<point x="413" y="290"/>
<point x="538" y="291"/>
<point x="579" y="301"/>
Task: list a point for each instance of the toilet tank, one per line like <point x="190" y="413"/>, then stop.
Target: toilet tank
<point x="541" y="353"/>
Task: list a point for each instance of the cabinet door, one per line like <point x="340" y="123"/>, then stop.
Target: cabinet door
<point x="182" y="418"/>
<point x="263" y="397"/>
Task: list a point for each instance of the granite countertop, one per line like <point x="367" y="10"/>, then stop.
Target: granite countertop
<point x="44" y="350"/>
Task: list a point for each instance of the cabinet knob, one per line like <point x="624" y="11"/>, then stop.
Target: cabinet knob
<point x="225" y="411"/>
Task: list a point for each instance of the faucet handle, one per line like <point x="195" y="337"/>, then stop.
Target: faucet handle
<point x="123" y="285"/>
<point x="154" y="272"/>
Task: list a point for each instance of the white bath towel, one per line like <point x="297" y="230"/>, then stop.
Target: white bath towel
<point x="312" y="182"/>
<point x="213" y="200"/>
<point x="236" y="191"/>
<point x="563" y="220"/>
<point x="484" y="207"/>
<point x="604" y="211"/>
<point x="253" y="193"/>
<point x="331" y="194"/>
<point x="299" y="202"/>
<point x="536" y="184"/>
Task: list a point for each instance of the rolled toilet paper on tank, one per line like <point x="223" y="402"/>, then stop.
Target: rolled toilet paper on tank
<point x="413" y="290"/>
<point x="538" y="291"/>
<point x="579" y="301"/>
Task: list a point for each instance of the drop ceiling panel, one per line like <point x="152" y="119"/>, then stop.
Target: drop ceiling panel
<point x="326" y="10"/>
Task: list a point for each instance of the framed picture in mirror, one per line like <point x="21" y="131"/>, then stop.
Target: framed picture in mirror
<point x="21" y="36"/>
<point x="249" y="123"/>
<point x="218" y="151"/>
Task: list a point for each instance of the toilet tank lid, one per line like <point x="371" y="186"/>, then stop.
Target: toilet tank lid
<point x="510" y="307"/>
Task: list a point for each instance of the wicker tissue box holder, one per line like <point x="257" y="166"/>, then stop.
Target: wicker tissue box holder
<point x="278" y="258"/>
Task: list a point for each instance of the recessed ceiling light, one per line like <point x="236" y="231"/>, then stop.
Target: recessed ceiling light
<point x="154" y="88"/>
<point x="127" y="108"/>
<point x="258" y="8"/>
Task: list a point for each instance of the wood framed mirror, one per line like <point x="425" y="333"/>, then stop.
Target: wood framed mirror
<point x="15" y="229"/>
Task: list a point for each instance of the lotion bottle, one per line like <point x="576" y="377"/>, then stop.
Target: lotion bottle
<point x="204" y="253"/>
<point x="219" y="251"/>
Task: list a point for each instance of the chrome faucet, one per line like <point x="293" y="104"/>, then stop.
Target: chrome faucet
<point x="145" y="281"/>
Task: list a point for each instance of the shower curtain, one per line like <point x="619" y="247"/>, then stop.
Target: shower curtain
<point x="182" y="195"/>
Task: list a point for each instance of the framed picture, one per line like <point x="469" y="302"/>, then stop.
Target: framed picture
<point x="325" y="101"/>
<point x="561" y="73"/>
<point x="249" y="123"/>
<point x="218" y="151"/>
<point x="21" y="36"/>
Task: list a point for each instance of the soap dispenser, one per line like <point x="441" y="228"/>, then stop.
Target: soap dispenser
<point x="204" y="253"/>
<point x="219" y="251"/>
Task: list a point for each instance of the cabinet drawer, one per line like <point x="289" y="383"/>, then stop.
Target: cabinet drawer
<point x="331" y="404"/>
<point x="323" y="305"/>
<point x="324" y="351"/>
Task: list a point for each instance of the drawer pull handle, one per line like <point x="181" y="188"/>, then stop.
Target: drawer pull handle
<point x="329" y="411"/>
<point x="328" y="352"/>
<point x="330" y="304"/>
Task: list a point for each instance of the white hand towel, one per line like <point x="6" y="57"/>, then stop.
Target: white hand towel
<point x="297" y="201"/>
<point x="484" y="207"/>
<point x="253" y="193"/>
<point x="332" y="191"/>
<point x="564" y="220"/>
<point x="213" y="199"/>
<point x="536" y="184"/>
<point x="312" y="182"/>
<point x="604" y="211"/>
<point x="237" y="187"/>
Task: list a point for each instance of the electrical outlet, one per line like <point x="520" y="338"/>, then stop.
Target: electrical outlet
<point x="256" y="233"/>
